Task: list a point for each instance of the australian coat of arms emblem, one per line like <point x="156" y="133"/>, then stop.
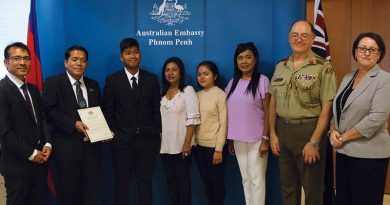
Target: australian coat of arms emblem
<point x="170" y="13"/>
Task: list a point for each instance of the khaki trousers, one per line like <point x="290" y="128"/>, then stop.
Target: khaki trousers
<point x="294" y="173"/>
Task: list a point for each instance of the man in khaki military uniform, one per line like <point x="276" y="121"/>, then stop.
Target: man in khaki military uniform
<point x="302" y="89"/>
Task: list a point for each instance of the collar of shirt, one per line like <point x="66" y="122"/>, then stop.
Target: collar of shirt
<point x="15" y="80"/>
<point x="129" y="76"/>
<point x="310" y="60"/>
<point x="82" y="86"/>
<point x="72" y="80"/>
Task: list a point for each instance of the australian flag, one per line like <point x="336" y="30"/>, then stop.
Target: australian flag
<point x="321" y="42"/>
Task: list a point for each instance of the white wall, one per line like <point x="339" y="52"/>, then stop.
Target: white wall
<point x="13" y="25"/>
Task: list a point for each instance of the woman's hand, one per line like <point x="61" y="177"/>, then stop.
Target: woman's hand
<point x="186" y="150"/>
<point x="217" y="157"/>
<point x="336" y="139"/>
<point x="263" y="149"/>
<point x="231" y="147"/>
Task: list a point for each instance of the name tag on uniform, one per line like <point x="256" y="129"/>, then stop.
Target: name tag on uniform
<point x="278" y="79"/>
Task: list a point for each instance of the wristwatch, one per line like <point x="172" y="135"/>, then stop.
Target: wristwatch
<point x="316" y="144"/>
<point x="265" y="137"/>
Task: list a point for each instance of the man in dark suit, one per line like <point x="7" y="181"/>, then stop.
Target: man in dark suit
<point x="25" y="143"/>
<point x="77" y="160"/>
<point x="131" y="103"/>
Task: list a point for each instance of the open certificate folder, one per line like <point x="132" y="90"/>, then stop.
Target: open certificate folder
<point x="98" y="129"/>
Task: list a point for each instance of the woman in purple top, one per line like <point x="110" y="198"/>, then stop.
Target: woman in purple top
<point x="248" y="101"/>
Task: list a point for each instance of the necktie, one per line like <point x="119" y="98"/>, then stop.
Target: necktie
<point x="80" y="98"/>
<point x="134" y="84"/>
<point x="27" y="98"/>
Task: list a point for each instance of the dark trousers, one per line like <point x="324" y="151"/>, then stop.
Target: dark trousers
<point x="294" y="173"/>
<point x="360" y="181"/>
<point x="177" y="172"/>
<point x="139" y="154"/>
<point x="80" y="179"/>
<point x="26" y="189"/>
<point x="212" y="175"/>
<point x="329" y="196"/>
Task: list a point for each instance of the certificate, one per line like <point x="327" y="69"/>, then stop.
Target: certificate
<point x="98" y="129"/>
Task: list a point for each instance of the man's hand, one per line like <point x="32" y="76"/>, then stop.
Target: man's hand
<point x="109" y="140"/>
<point x="81" y="127"/>
<point x="39" y="158"/>
<point x="47" y="151"/>
<point x="275" y="145"/>
<point x="217" y="157"/>
<point x="310" y="153"/>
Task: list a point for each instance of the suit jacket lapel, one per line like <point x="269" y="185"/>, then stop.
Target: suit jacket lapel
<point x="128" y="85"/>
<point x="90" y="92"/>
<point x="68" y="89"/>
<point x="37" y="108"/>
<point x="363" y="85"/>
<point x="20" y="97"/>
<point x="140" y="84"/>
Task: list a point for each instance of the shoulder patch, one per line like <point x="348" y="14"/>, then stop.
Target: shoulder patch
<point x="330" y="70"/>
<point x="320" y="60"/>
<point x="283" y="60"/>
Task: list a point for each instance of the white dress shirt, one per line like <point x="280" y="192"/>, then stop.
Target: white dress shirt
<point x="82" y="86"/>
<point x="129" y="76"/>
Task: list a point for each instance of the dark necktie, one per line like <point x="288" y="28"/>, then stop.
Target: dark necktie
<point x="80" y="98"/>
<point x="134" y="84"/>
<point x="27" y="98"/>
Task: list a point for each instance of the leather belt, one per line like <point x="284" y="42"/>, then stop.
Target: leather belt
<point x="297" y="121"/>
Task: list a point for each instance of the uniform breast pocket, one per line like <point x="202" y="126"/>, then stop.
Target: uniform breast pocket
<point x="278" y="85"/>
<point x="307" y="90"/>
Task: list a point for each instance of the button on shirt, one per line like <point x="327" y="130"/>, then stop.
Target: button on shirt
<point x="82" y="86"/>
<point x="19" y="84"/>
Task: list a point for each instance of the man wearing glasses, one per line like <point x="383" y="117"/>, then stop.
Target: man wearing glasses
<point x="302" y="88"/>
<point x="25" y="143"/>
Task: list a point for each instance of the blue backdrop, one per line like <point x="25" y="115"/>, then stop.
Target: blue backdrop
<point x="198" y="30"/>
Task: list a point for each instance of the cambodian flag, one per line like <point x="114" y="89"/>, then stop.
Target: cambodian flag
<point x="35" y="77"/>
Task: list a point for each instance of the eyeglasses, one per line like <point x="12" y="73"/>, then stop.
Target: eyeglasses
<point x="20" y="58"/>
<point x="370" y="50"/>
<point x="295" y="36"/>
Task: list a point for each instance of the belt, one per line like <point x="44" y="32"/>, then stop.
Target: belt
<point x="297" y="121"/>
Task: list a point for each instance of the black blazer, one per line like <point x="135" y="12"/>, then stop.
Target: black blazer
<point x="130" y="115"/>
<point x="60" y="104"/>
<point x="20" y="134"/>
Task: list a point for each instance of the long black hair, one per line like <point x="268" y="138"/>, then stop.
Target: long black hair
<point x="254" y="82"/>
<point x="180" y="65"/>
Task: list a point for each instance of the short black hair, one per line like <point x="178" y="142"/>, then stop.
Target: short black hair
<point x="15" y="45"/>
<point x="310" y="25"/>
<point x="374" y="36"/>
<point x="127" y="43"/>
<point x="73" y="48"/>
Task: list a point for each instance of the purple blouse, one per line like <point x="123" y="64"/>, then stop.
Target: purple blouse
<point x="245" y="113"/>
